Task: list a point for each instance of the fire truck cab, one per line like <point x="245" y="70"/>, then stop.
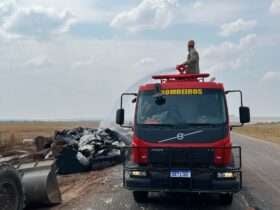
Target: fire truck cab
<point x="181" y="138"/>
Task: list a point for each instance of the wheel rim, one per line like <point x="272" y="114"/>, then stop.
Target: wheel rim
<point x="8" y="196"/>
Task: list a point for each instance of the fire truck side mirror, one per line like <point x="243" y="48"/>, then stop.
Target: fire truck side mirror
<point x="120" y="117"/>
<point x="244" y="114"/>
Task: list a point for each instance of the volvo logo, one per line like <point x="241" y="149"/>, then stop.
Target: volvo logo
<point x="180" y="136"/>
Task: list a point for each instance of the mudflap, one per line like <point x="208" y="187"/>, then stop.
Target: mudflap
<point x="40" y="183"/>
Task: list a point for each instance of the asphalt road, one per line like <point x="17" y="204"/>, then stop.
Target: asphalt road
<point x="261" y="166"/>
<point x="261" y="172"/>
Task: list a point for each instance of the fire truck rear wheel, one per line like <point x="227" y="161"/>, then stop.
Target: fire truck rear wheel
<point x="140" y="196"/>
<point x="226" y="199"/>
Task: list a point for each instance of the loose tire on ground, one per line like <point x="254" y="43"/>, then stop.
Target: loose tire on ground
<point x="226" y="199"/>
<point x="11" y="191"/>
<point x="140" y="197"/>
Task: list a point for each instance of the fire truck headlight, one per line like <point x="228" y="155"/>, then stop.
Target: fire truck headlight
<point x="138" y="173"/>
<point x="225" y="175"/>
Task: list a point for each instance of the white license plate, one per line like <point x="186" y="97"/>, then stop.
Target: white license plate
<point x="180" y="174"/>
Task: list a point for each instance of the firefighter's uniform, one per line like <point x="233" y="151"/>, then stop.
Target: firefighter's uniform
<point x="192" y="62"/>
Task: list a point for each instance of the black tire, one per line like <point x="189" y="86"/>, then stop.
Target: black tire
<point x="140" y="196"/>
<point x="11" y="191"/>
<point x="226" y="199"/>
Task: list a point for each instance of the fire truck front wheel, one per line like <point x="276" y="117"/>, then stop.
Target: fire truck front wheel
<point x="140" y="196"/>
<point x="226" y="199"/>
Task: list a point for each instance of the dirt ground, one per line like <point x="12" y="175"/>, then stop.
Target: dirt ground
<point x="265" y="131"/>
<point x="78" y="185"/>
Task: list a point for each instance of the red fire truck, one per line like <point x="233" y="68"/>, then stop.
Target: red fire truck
<point x="181" y="138"/>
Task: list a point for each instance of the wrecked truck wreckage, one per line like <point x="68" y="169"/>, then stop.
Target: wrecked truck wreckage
<point x="69" y="151"/>
<point x="84" y="149"/>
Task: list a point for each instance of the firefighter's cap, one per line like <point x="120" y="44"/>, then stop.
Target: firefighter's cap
<point x="191" y="43"/>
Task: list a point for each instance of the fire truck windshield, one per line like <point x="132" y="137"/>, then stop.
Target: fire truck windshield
<point x="182" y="107"/>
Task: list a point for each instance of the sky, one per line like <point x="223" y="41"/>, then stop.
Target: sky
<point x="70" y="59"/>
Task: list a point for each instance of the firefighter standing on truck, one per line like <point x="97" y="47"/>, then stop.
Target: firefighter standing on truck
<point x="192" y="62"/>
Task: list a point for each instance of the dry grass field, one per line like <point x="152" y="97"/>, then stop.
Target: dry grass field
<point x="12" y="133"/>
<point x="264" y="131"/>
